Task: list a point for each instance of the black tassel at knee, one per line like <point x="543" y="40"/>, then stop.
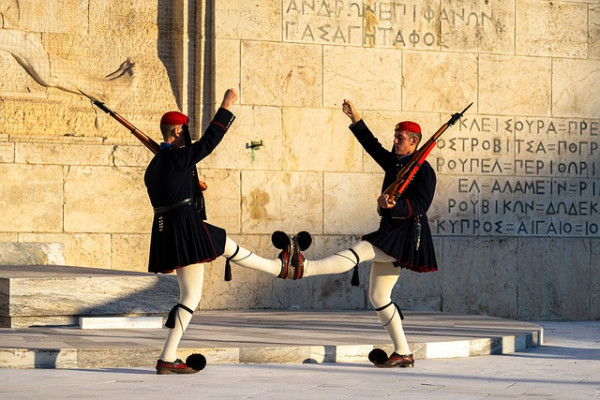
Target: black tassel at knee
<point x="228" y="264"/>
<point x="170" y="323"/>
<point x="355" y="279"/>
<point x="227" y="270"/>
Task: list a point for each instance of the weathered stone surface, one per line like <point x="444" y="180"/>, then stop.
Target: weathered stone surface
<point x="595" y="280"/>
<point x="280" y="200"/>
<point x="277" y="74"/>
<point x="31" y="198"/>
<point x="101" y="199"/>
<point x="46" y="17"/>
<point x="252" y="125"/>
<point x="581" y="77"/>
<point x="329" y="291"/>
<point x="318" y="140"/>
<point x="222" y="198"/>
<point x="130" y="156"/>
<point x="31" y="253"/>
<point x="525" y="84"/>
<point x="248" y="288"/>
<point x="350" y="203"/>
<point x="129" y="252"/>
<point x="429" y="89"/>
<point x="594" y="31"/>
<point x="373" y="77"/>
<point x="254" y="19"/>
<point x="62" y="154"/>
<point x="483" y="280"/>
<point x="555" y="29"/>
<point x="49" y="291"/>
<point x="228" y="54"/>
<point x="8" y="237"/>
<point x="553" y="279"/>
<point x="51" y="358"/>
<point x="473" y="25"/>
<point x="7" y="152"/>
<point x="85" y="250"/>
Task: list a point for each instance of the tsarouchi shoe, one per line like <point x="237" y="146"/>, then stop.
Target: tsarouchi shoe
<point x="175" y="367"/>
<point x="282" y="241"/>
<point x="398" y="361"/>
<point x="300" y="242"/>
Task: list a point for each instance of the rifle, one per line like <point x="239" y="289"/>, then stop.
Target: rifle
<point x="408" y="171"/>
<point x="142" y="137"/>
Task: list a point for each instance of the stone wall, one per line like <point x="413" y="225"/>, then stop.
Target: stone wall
<point x="515" y="218"/>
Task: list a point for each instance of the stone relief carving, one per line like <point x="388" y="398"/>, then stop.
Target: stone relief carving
<point x="51" y="70"/>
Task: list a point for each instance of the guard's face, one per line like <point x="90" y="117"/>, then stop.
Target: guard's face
<point x="179" y="136"/>
<point x="404" y="144"/>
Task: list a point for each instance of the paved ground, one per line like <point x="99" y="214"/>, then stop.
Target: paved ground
<point x="567" y="366"/>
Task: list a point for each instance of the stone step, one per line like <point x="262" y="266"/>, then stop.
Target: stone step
<point x="57" y="295"/>
<point x="268" y="336"/>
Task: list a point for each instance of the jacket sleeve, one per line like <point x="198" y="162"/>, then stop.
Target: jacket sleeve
<point x="212" y="137"/>
<point x="383" y="157"/>
<point x="418" y="195"/>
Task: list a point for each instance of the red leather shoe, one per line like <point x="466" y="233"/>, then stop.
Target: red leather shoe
<point x="398" y="361"/>
<point x="176" y="367"/>
<point x="300" y="242"/>
<point x="282" y="241"/>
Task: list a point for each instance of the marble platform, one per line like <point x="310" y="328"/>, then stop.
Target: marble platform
<point x="52" y="295"/>
<point x="268" y="336"/>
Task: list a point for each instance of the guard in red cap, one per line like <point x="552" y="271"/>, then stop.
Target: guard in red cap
<point x="403" y="239"/>
<point x="182" y="241"/>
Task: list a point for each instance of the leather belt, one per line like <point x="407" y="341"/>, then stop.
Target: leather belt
<point x="170" y="207"/>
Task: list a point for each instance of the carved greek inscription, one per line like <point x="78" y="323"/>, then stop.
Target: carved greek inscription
<point x="379" y="23"/>
<point x="525" y="177"/>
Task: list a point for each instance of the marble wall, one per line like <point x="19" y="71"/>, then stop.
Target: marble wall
<point x="516" y="214"/>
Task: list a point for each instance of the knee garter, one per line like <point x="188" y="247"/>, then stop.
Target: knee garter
<point x="170" y="323"/>
<point x="393" y="315"/>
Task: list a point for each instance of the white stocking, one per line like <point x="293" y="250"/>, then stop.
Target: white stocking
<point x="247" y="259"/>
<point x="190" y="281"/>
<point x="383" y="278"/>
<point x="345" y="260"/>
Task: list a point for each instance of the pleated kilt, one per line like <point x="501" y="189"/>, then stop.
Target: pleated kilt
<point x="180" y="237"/>
<point x="398" y="239"/>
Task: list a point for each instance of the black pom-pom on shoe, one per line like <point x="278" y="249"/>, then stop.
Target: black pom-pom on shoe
<point x="378" y="356"/>
<point x="280" y="240"/>
<point x="196" y="361"/>
<point x="304" y="240"/>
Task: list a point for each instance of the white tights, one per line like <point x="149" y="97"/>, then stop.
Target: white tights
<point x="190" y="280"/>
<point x="383" y="277"/>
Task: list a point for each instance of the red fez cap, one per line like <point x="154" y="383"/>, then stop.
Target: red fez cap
<point x="408" y="126"/>
<point x="174" y="118"/>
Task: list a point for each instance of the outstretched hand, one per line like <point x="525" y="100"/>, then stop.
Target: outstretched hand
<point x="229" y="98"/>
<point x="350" y="111"/>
